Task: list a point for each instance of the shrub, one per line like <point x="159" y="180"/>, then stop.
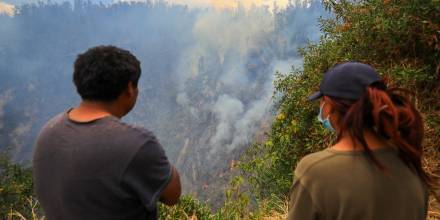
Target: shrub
<point x="401" y="39"/>
<point x="17" y="200"/>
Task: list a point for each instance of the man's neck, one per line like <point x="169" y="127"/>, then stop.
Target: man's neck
<point x="89" y="110"/>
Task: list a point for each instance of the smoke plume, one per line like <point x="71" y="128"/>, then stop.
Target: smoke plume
<point x="207" y="72"/>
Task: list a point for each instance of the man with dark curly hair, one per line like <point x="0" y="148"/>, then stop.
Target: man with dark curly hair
<point x="90" y="165"/>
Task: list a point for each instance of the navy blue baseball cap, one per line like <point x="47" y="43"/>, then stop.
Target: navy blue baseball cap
<point x="346" y="80"/>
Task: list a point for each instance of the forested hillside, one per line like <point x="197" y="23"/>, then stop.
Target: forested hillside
<point x="401" y="39"/>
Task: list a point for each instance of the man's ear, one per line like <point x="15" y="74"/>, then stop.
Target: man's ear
<point x="131" y="89"/>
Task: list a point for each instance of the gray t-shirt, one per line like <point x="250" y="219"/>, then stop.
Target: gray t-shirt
<point x="102" y="169"/>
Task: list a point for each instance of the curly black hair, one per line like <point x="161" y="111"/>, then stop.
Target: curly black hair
<point x="102" y="73"/>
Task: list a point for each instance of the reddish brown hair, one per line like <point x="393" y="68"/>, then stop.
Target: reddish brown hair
<point x="391" y="114"/>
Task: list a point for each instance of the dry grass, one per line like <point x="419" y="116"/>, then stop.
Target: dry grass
<point x="431" y="161"/>
<point x="434" y="210"/>
<point x="432" y="166"/>
<point x="34" y="215"/>
<point x="275" y="216"/>
<point x="278" y="215"/>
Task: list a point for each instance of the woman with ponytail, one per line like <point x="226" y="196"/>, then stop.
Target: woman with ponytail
<point x="374" y="171"/>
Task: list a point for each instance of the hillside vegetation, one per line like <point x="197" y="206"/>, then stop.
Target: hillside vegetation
<point x="399" y="38"/>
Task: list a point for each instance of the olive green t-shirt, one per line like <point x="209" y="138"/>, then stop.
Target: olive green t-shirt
<point x="339" y="185"/>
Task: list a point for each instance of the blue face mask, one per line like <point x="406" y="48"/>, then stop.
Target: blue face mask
<point x="325" y="122"/>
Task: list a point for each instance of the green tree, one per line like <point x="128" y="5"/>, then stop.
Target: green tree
<point x="401" y="39"/>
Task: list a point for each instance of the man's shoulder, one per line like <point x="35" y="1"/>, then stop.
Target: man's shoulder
<point x="131" y="136"/>
<point x="55" y="119"/>
<point x="133" y="129"/>
<point x="109" y="126"/>
<point x="53" y="123"/>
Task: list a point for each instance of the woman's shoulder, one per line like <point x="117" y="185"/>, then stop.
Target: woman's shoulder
<point x="314" y="163"/>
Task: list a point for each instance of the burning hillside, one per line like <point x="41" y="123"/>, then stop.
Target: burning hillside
<point x="206" y="87"/>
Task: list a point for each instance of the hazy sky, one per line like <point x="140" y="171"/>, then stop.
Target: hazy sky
<point x="216" y="3"/>
<point x="7" y="6"/>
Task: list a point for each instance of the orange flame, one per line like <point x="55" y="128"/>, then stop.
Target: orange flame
<point x="7" y="9"/>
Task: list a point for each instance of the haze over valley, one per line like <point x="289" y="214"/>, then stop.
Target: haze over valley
<point x="207" y="71"/>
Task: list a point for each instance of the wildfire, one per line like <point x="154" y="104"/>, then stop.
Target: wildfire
<point x="234" y="4"/>
<point x="247" y="4"/>
<point x="7" y="9"/>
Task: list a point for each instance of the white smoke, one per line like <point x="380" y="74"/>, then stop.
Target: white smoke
<point x="183" y="100"/>
<point x="237" y="126"/>
<point x="5" y="98"/>
<point x="225" y="41"/>
<point x="228" y="110"/>
<point x="222" y="33"/>
<point x="286" y="66"/>
<point x="17" y="136"/>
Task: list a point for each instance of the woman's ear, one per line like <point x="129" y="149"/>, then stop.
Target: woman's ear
<point x="328" y="110"/>
<point x="328" y="103"/>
